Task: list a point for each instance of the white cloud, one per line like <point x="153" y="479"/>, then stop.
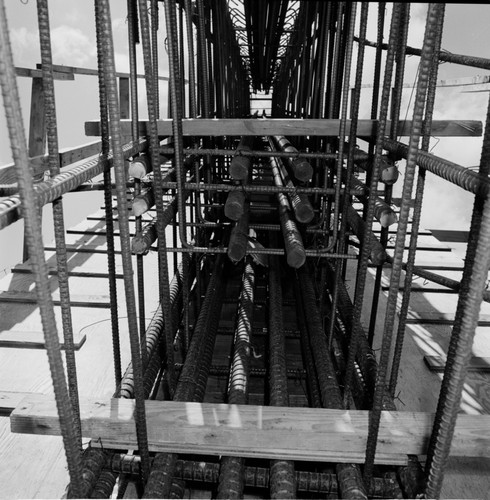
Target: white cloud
<point x="72" y="47"/>
<point x="25" y="46"/>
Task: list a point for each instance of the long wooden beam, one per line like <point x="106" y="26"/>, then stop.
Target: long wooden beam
<point x="255" y="431"/>
<point x="287" y="127"/>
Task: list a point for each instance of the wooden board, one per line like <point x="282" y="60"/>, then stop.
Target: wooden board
<point x="76" y="300"/>
<point x="34" y="340"/>
<point x="9" y="400"/>
<point x="254" y="431"/>
<point x="81" y="271"/>
<point x="476" y="364"/>
<point x="287" y="126"/>
<point x="440" y="318"/>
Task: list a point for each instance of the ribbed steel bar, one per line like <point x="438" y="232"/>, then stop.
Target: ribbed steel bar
<point x="377" y="253"/>
<point x="111" y="260"/>
<point x="366" y="247"/>
<point x="293" y="241"/>
<point x="257" y="477"/>
<point x="460" y="347"/>
<point x="103" y="18"/>
<point x="161" y="474"/>
<point x="282" y="480"/>
<point x="258" y="188"/>
<point x="351" y="483"/>
<point x="154" y="52"/>
<point x="417" y="212"/>
<point x="155" y="352"/>
<point x="347" y="175"/>
<point x="303" y="211"/>
<point x="314" y="397"/>
<point x="13" y="115"/>
<point x="445" y="56"/>
<point x="232" y="470"/>
<point x="456" y="174"/>
<point x="163" y="280"/>
<point x="58" y="217"/>
<point x="359" y="155"/>
<point x="51" y="189"/>
<point x="430" y="37"/>
<point x="237" y="247"/>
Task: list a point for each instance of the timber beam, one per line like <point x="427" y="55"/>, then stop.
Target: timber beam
<point x="316" y="434"/>
<point x="287" y="127"/>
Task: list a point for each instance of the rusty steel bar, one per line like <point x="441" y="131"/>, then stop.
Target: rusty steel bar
<point x="232" y="471"/>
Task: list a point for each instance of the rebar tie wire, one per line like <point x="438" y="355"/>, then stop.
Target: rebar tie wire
<point x="58" y="220"/>
<point x="366" y="247"/>
<point x="426" y="61"/>
<point x="103" y="19"/>
<point x="27" y="194"/>
<point x="158" y="191"/>
<point x="419" y="193"/>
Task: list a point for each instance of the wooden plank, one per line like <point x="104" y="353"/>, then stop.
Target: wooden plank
<point x="80" y="271"/>
<point x="476" y="364"/>
<point x="82" y="248"/>
<point x="255" y="431"/>
<point x="34" y="340"/>
<point x="451" y="235"/>
<point x="94" y="72"/>
<point x="39" y="163"/>
<point x="37" y="73"/>
<point x="124" y="97"/>
<point x="282" y="126"/>
<point x="94" y="232"/>
<point x="9" y="400"/>
<point x="19" y="297"/>
<point x="440" y="318"/>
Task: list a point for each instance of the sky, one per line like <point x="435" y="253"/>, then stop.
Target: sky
<point x="73" y="44"/>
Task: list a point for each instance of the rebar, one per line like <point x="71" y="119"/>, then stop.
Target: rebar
<point x="35" y="245"/>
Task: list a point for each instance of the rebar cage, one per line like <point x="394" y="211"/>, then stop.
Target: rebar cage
<point x="260" y="218"/>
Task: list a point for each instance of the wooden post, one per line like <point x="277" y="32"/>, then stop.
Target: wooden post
<point x="37" y="134"/>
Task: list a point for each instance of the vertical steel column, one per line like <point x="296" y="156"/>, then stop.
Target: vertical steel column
<point x="18" y="143"/>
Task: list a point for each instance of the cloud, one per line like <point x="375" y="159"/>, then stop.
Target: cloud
<point x="72" y="47"/>
<point x="25" y="46"/>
